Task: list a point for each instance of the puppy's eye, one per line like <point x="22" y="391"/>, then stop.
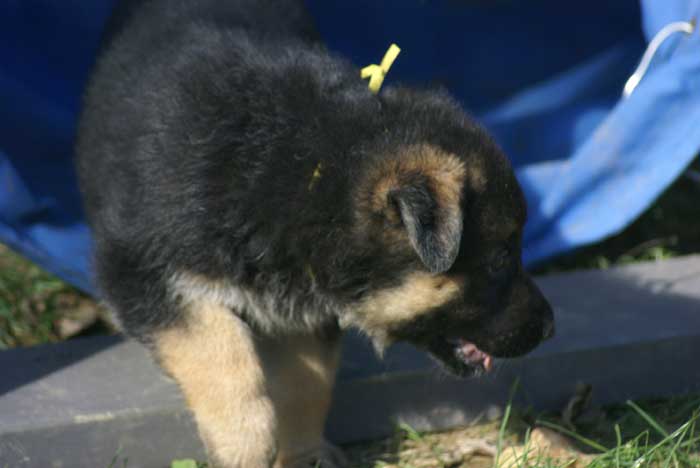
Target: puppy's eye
<point x="499" y="261"/>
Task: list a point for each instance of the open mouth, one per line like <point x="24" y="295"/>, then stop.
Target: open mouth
<point x="470" y="355"/>
<point x="460" y="357"/>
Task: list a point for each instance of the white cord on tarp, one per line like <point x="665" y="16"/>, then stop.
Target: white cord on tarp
<point x="686" y="27"/>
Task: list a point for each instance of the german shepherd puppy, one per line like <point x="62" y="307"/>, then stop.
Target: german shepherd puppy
<point x="250" y="199"/>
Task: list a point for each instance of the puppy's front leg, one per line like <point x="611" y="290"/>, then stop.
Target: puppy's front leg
<point x="213" y="357"/>
<point x="300" y="374"/>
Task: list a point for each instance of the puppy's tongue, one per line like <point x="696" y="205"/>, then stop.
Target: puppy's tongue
<point x="468" y="353"/>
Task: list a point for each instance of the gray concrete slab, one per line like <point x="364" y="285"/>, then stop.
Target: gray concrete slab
<point x="632" y="332"/>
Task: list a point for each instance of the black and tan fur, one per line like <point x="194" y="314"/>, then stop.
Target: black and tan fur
<point x="250" y="199"/>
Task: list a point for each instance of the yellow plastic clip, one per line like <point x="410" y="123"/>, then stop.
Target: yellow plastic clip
<point x="376" y="73"/>
<point x="315" y="176"/>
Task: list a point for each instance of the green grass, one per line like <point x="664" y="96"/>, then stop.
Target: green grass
<point x="660" y="433"/>
<point x="644" y="437"/>
<point x="651" y="434"/>
<point x="36" y="307"/>
<point x="187" y="463"/>
<point x="31" y="301"/>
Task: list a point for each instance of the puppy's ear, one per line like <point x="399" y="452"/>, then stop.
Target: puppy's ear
<point x="434" y="225"/>
<point x="416" y="189"/>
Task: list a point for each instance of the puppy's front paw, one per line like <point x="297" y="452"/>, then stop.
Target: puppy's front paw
<point x="326" y="455"/>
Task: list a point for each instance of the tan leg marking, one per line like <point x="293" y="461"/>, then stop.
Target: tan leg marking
<point x="301" y="372"/>
<point x="214" y="360"/>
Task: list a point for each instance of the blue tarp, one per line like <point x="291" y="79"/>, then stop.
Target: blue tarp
<point x="545" y="76"/>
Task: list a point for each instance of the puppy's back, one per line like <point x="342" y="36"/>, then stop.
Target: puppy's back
<point x="198" y="139"/>
<point x="163" y="65"/>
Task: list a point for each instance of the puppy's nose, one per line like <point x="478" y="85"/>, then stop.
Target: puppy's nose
<point x="548" y="330"/>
